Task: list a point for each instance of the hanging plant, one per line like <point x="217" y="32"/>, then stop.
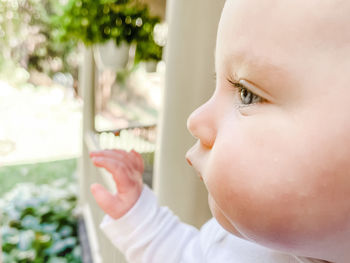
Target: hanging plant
<point x="97" y="21"/>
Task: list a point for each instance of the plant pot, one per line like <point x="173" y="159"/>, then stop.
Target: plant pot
<point x="110" y="56"/>
<point x="149" y="66"/>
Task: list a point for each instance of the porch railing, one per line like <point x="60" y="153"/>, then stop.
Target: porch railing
<point x="139" y="138"/>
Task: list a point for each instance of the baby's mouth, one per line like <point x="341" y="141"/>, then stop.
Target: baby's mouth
<point x="200" y="177"/>
<point x="189" y="161"/>
<point x="198" y="173"/>
<point x="193" y="161"/>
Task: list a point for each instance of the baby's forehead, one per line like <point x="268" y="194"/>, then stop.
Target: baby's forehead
<point x="290" y="32"/>
<point x="312" y="22"/>
<point x="307" y="43"/>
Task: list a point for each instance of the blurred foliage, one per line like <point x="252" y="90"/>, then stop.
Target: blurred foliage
<point x="97" y="21"/>
<point x="43" y="34"/>
<point x="26" y="37"/>
<point x="38" y="224"/>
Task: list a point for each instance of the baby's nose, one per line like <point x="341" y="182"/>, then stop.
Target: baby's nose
<point x="201" y="124"/>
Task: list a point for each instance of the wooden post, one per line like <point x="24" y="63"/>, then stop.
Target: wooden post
<point x="189" y="83"/>
<point x="101" y="248"/>
<point x="87" y="93"/>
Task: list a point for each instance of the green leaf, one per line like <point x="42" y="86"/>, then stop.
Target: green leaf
<point x="45" y="230"/>
<point x="26" y="239"/>
<point x="30" y="222"/>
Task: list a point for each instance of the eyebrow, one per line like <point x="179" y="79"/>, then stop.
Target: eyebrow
<point x="259" y="71"/>
<point x="264" y="74"/>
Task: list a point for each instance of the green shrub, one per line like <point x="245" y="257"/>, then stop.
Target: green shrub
<point x="39" y="224"/>
<point x="97" y="21"/>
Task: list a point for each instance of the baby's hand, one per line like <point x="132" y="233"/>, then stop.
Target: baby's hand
<point x="126" y="169"/>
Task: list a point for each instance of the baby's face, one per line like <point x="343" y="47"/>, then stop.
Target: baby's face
<point x="274" y="151"/>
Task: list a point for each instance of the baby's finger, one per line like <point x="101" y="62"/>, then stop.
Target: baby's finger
<point x="126" y="157"/>
<point x="120" y="172"/>
<point x="139" y="164"/>
<point x="119" y="154"/>
<point x="104" y="199"/>
<point x="111" y="164"/>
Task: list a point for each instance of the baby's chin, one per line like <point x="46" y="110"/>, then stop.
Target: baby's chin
<point x="301" y="245"/>
<point x="274" y="237"/>
<point x="267" y="240"/>
<point x="221" y="218"/>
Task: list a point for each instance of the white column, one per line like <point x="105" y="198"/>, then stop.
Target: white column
<point x="87" y="93"/>
<point x="189" y="83"/>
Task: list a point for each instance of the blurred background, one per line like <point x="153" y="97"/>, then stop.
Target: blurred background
<point x="84" y="75"/>
<point x="42" y="44"/>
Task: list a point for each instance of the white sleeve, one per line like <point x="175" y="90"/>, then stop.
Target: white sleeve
<point x="150" y="233"/>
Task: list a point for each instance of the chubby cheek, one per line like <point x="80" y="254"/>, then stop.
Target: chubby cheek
<point x="282" y="191"/>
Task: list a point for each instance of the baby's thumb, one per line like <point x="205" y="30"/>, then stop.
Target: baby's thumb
<point x="104" y="199"/>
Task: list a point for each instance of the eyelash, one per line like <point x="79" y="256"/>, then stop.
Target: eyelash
<point x="243" y="91"/>
<point x="241" y="88"/>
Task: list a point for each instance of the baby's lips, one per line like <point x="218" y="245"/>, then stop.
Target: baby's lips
<point x="198" y="173"/>
<point x="189" y="154"/>
<point x="189" y="161"/>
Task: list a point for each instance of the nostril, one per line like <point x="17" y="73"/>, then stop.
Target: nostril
<point x="189" y="162"/>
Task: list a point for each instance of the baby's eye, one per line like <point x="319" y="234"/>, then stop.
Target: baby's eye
<point x="247" y="97"/>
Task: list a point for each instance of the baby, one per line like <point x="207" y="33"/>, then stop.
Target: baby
<point x="273" y="147"/>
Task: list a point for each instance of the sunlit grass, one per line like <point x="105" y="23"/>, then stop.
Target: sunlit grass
<point x="39" y="173"/>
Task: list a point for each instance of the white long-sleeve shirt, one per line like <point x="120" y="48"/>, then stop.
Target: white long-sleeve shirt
<point x="149" y="233"/>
